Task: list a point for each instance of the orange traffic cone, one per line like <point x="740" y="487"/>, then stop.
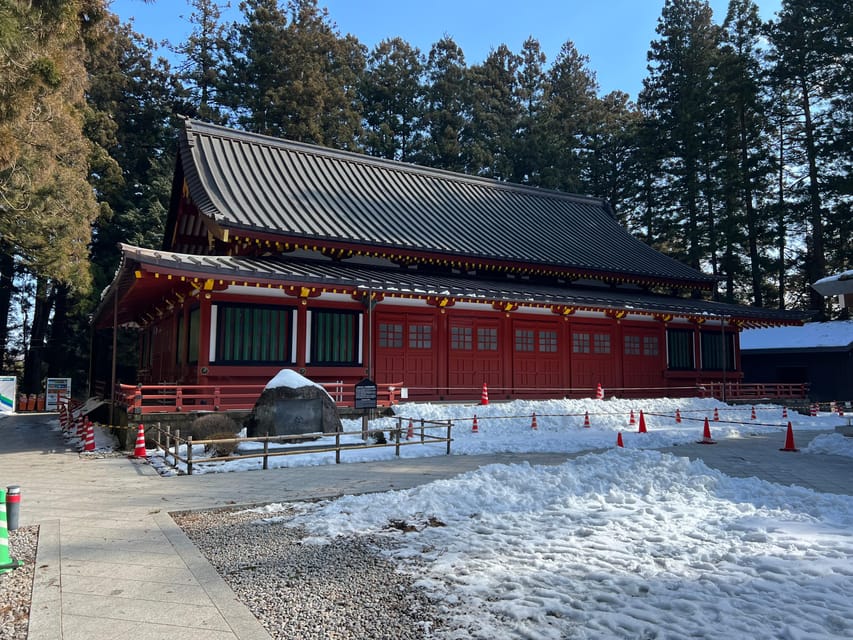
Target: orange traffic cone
<point x="677" y="416"/>
<point x="89" y="442"/>
<point x="706" y="434"/>
<point x="619" y="440"/>
<point x="631" y="421"/>
<point x="752" y="416"/>
<point x="533" y="424"/>
<point x="139" y="449"/>
<point x="410" y="432"/>
<point x="784" y="412"/>
<point x="484" y="396"/>
<point x="586" y="419"/>
<point x="716" y="415"/>
<point x="813" y="410"/>
<point x="474" y="426"/>
<point x="840" y="409"/>
<point x="789" y="440"/>
<point x="642" y="423"/>
<point x="599" y="392"/>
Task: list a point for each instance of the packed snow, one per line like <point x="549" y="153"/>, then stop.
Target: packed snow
<point x="622" y="544"/>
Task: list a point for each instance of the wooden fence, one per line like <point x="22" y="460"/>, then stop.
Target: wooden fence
<point x="170" y="442"/>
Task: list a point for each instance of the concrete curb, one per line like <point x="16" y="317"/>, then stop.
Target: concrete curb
<point x="46" y="604"/>
<point x="241" y="621"/>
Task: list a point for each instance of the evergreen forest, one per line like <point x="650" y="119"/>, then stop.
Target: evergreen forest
<point x="735" y="157"/>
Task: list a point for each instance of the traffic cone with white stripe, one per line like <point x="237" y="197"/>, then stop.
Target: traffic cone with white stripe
<point x="89" y="442"/>
<point x="599" y="392"/>
<point x="533" y="424"/>
<point x="586" y="420"/>
<point x="631" y="421"/>
<point x="785" y="412"/>
<point x="706" y="435"/>
<point x="752" y="416"/>
<point x="475" y="428"/>
<point x="139" y="449"/>
<point x="813" y="410"/>
<point x="484" y="395"/>
<point x="716" y="415"/>
<point x="410" y="432"/>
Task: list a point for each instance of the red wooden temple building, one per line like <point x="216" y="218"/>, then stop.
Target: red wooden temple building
<point x="342" y="266"/>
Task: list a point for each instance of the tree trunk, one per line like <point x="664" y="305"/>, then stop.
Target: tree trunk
<point x="57" y="354"/>
<point x="7" y="274"/>
<point x="752" y="239"/>
<point x="33" y="361"/>
<point x="816" y="268"/>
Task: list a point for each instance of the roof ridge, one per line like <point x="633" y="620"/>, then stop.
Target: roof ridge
<point x="193" y="126"/>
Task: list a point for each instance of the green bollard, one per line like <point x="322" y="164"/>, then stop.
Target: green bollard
<point x="7" y="562"/>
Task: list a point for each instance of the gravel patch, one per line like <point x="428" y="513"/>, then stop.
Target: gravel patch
<point x="16" y="586"/>
<point x="336" y="591"/>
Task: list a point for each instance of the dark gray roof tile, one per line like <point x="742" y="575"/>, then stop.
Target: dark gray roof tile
<point x="258" y="184"/>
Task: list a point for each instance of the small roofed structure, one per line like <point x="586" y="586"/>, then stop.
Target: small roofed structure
<point x="341" y="266"/>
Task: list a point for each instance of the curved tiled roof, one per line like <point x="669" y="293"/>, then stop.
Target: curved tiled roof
<point x="330" y="274"/>
<point x="250" y="183"/>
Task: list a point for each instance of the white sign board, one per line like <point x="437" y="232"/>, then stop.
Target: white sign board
<point x="8" y="393"/>
<point x="54" y="388"/>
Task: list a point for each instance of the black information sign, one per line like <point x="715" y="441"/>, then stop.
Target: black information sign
<point x="365" y="394"/>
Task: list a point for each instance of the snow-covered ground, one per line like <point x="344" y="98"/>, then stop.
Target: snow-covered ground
<point x="617" y="543"/>
<point x="622" y="544"/>
<point x="505" y="427"/>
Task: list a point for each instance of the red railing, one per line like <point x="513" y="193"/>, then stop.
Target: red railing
<point x="756" y="390"/>
<point x="167" y="398"/>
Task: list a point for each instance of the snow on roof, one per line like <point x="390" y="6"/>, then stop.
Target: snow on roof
<point x="837" y="284"/>
<point x="813" y="335"/>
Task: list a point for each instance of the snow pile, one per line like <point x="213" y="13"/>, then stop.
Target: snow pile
<point x="833" y="444"/>
<point x="624" y="544"/>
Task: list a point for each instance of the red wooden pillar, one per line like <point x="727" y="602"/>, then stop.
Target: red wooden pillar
<point x="204" y="336"/>
<point x="301" y="329"/>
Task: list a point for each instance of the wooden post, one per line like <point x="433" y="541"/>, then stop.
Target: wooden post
<point x="449" y="424"/>
<point x="177" y="445"/>
<point x="189" y="455"/>
<point x="397" y="437"/>
<point x="168" y="443"/>
<point x="422" y="431"/>
<point x="337" y="447"/>
<point x="266" y="450"/>
<point x="158" y="437"/>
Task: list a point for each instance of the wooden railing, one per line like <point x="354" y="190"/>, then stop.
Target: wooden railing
<point x="169" y="398"/>
<point x="180" y="449"/>
<point x="756" y="390"/>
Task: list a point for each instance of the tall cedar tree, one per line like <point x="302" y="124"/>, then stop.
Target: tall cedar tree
<point x="741" y="105"/>
<point x="290" y="74"/>
<point x="496" y="112"/>
<point x="448" y="107"/>
<point x="675" y="98"/>
<point x="802" y="40"/>
<point x="567" y="117"/>
<point x="202" y="53"/>
<point x="530" y="134"/>
<point x="47" y="206"/>
<point x="392" y="97"/>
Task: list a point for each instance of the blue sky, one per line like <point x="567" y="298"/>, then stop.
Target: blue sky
<point x="614" y="34"/>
